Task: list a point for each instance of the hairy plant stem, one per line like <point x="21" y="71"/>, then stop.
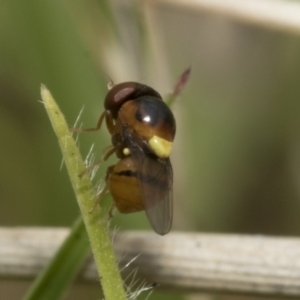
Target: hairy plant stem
<point x="96" y="225"/>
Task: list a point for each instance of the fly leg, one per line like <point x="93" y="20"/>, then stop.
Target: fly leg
<point x="98" y="126"/>
<point x="110" y="150"/>
<point x="99" y="198"/>
<point x="103" y="192"/>
<point x="111" y="212"/>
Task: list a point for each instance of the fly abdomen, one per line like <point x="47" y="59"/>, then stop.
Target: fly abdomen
<point x="124" y="186"/>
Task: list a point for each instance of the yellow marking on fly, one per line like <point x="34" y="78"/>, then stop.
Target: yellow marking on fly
<point x="161" y="147"/>
<point x="126" y="151"/>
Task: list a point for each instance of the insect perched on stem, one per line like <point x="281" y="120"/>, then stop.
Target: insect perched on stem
<point x="142" y="129"/>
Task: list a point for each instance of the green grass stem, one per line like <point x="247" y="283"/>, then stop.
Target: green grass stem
<point x="96" y="225"/>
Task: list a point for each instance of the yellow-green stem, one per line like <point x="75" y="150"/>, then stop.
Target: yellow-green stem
<point x="96" y="226"/>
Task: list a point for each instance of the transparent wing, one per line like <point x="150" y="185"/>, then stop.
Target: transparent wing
<point x="155" y="177"/>
<point x="157" y="191"/>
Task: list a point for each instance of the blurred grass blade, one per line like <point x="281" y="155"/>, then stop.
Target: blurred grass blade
<point x="179" y="86"/>
<point x="59" y="274"/>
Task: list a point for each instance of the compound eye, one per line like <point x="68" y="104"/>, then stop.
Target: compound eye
<point x="117" y="96"/>
<point x="126" y="91"/>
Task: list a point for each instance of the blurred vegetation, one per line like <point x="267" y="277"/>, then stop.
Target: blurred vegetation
<point x="236" y="157"/>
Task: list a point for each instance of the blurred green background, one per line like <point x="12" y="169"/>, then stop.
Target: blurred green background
<point x="236" y="157"/>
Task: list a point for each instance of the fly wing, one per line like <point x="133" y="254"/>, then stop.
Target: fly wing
<point x="155" y="177"/>
<point x="157" y="191"/>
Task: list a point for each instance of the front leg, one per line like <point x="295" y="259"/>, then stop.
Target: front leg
<point x="98" y="126"/>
